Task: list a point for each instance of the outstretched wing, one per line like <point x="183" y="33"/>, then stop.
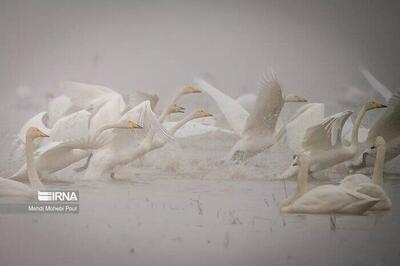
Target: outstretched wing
<point x="234" y="113"/>
<point x="73" y="126"/>
<point x="326" y="134"/>
<point x="388" y="125"/>
<point x="58" y="107"/>
<point x="147" y="119"/>
<point x="379" y="87"/>
<point x="305" y="117"/>
<point x="82" y="94"/>
<point x="138" y="97"/>
<point x="269" y="103"/>
<point x="109" y="112"/>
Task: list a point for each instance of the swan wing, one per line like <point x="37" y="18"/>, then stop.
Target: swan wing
<point x="234" y="113"/>
<point x="138" y="97"/>
<point x="248" y="101"/>
<point x="82" y="94"/>
<point x="38" y="121"/>
<point x="388" y="125"/>
<point x="72" y="126"/>
<point x="14" y="188"/>
<point x="305" y="117"/>
<point x="323" y="135"/>
<point x="58" y="107"/>
<point x="193" y="128"/>
<point x="269" y="103"/>
<point x="147" y="119"/>
<point x="109" y="112"/>
<point x="379" y="87"/>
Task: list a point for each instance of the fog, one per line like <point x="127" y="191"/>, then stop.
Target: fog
<point x="181" y="205"/>
<point x="314" y="46"/>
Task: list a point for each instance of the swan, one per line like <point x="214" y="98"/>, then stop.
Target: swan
<point x="325" y="199"/>
<point x="14" y="188"/>
<point x="387" y="126"/>
<point x="117" y="152"/>
<point x="58" y="107"/>
<point x="58" y="155"/>
<point x="305" y="117"/>
<point x="372" y="187"/>
<point x="323" y="142"/>
<point x="256" y="129"/>
<point x="105" y="159"/>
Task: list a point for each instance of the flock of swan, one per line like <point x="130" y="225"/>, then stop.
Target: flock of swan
<point x="99" y="125"/>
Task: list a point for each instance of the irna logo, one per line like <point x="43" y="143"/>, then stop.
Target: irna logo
<point x="59" y="196"/>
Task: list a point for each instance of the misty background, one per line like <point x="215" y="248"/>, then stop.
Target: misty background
<point x="158" y="46"/>
<point x="315" y="47"/>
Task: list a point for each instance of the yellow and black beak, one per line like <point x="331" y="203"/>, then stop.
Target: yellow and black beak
<point x="134" y="124"/>
<point x="205" y="114"/>
<point x="180" y="109"/>
<point x="302" y="99"/>
<point x="43" y="135"/>
<point x="377" y="104"/>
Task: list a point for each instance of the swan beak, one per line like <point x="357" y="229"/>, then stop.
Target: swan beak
<point x="301" y="99"/>
<point x="378" y="105"/>
<point x="205" y="114"/>
<point x="43" y="135"/>
<point x="194" y="89"/>
<point x="134" y="124"/>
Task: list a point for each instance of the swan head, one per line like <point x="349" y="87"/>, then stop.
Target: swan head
<point x="189" y="90"/>
<point x="201" y="113"/>
<point x="299" y="159"/>
<point x="378" y="143"/>
<point x="34" y="133"/>
<point x="176" y="109"/>
<point x="295" y="99"/>
<point x="374" y="105"/>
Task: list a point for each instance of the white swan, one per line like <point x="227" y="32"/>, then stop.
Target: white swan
<point x="256" y="129"/>
<point x="58" y="107"/>
<point x="58" y="155"/>
<point x="323" y="142"/>
<point x="14" y="188"/>
<point x="305" y="117"/>
<point x="372" y="187"/>
<point x="387" y="126"/>
<point x="326" y="199"/>
<point x="118" y="153"/>
<point x="105" y="159"/>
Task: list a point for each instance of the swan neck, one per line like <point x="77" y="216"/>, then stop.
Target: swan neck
<point x="377" y="175"/>
<point x="181" y="123"/>
<point x="33" y="176"/>
<point x="165" y="112"/>
<point x="302" y="179"/>
<point x="356" y="127"/>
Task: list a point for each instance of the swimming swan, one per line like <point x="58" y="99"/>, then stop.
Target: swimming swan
<point x="323" y="143"/>
<point x="387" y="126"/>
<point x="372" y="187"/>
<point x="14" y="188"/>
<point x="325" y="199"/>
